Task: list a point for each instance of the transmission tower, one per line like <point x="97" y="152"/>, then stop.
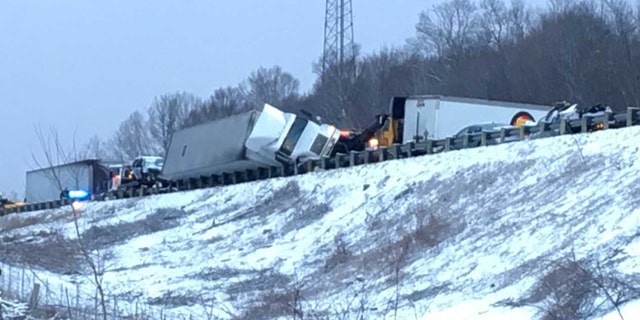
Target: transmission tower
<point x="339" y="47"/>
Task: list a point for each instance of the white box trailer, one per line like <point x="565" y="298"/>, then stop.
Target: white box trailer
<point x="46" y="184"/>
<point x="437" y="117"/>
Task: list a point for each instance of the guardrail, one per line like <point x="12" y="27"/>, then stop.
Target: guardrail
<point x="397" y="151"/>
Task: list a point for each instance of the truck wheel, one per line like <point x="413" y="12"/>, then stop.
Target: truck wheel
<point x="149" y="179"/>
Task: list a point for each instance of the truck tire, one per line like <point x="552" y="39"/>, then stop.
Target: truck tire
<point x="149" y="179"/>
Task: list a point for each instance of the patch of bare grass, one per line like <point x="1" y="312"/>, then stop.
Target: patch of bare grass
<point x="17" y="221"/>
<point x="280" y="199"/>
<point x="275" y="304"/>
<point x="304" y="215"/>
<point x="52" y="252"/>
<point x="217" y="274"/>
<point x="340" y="254"/>
<point x="100" y="237"/>
<point x="174" y="300"/>
<point x="260" y="281"/>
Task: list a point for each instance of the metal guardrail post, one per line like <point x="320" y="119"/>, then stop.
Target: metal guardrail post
<point x="584" y="124"/>
<point x="310" y="166"/>
<point x="252" y="174"/>
<point x="447" y="144"/>
<point x="631" y="116"/>
<point x="563" y="127"/>
<point x="366" y="156"/>
<point x="396" y="151"/>
<point x="607" y="117"/>
<point x="336" y="158"/>
<point x="521" y="133"/>
<point x="428" y="144"/>
<point x="352" y="158"/>
<point x="484" y="139"/>
<point x="412" y="147"/>
<point x="226" y="179"/>
<point x="324" y="163"/>
<point x="272" y="171"/>
<point x="295" y="167"/>
<point x="465" y="141"/>
<point x="383" y="154"/>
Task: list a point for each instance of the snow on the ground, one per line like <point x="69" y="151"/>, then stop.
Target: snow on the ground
<point x="498" y="232"/>
<point x="12" y="309"/>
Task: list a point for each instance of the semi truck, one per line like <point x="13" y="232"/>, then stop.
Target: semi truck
<point x="56" y="182"/>
<point x="416" y="118"/>
<point x="261" y="137"/>
<point x="436" y="117"/>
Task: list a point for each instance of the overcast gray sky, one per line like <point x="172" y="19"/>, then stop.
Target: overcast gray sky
<point x="84" y="66"/>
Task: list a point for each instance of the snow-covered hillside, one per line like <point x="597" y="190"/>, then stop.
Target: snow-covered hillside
<point x="543" y="229"/>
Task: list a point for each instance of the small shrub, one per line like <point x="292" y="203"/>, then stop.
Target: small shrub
<point x="17" y="221"/>
<point x="430" y="233"/>
<point x="175" y="300"/>
<point x="276" y="304"/>
<point x="304" y="215"/>
<point x="100" y="237"/>
<point x="571" y="288"/>
<point x="339" y="256"/>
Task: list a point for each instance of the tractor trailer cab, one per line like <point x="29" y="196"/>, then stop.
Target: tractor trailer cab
<point x="257" y="138"/>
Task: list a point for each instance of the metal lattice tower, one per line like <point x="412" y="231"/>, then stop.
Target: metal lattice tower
<point x="339" y="47"/>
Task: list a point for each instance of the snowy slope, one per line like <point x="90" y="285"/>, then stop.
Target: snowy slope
<point x="503" y="232"/>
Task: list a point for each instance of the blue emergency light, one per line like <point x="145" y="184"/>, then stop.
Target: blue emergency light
<point x="78" y="194"/>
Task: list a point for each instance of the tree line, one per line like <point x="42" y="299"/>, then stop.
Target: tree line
<point x="583" y="51"/>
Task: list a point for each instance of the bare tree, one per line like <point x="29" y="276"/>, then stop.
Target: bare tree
<point x="448" y="29"/>
<point x="336" y="90"/>
<point x="270" y="85"/>
<point x="382" y="75"/>
<point x="493" y="22"/>
<point x="519" y="19"/>
<point x="166" y="115"/>
<point x="561" y="6"/>
<point x="620" y="15"/>
<point x="96" y="148"/>
<point x="54" y="151"/>
<point x="132" y="138"/>
<point x="222" y="103"/>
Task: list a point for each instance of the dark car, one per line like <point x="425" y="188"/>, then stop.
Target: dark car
<point x="485" y="127"/>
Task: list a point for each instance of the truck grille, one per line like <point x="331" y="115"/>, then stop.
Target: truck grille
<point x="318" y="144"/>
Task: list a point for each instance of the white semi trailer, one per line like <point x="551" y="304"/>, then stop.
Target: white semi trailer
<point x="416" y="118"/>
<point x="258" y="138"/>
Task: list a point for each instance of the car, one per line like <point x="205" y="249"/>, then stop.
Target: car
<point x="485" y="127"/>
